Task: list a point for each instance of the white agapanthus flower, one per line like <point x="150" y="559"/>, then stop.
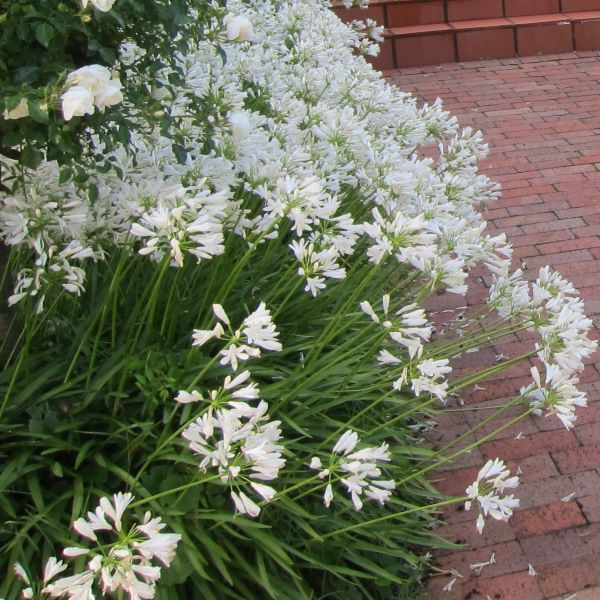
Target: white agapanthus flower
<point x="408" y="327"/>
<point x="241" y="444"/>
<point x="557" y="395"/>
<point x="121" y="562"/>
<point x="509" y="294"/>
<point x="487" y="492"/>
<point x="357" y="471"/>
<point x="317" y="265"/>
<point x="405" y="238"/>
<point x="54" y="269"/>
<point x="257" y="332"/>
<point x="184" y="221"/>
<point x="52" y="568"/>
<point x="225" y="394"/>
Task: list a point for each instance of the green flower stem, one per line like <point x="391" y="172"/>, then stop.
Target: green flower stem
<point x="305" y="380"/>
<point x="465" y="449"/>
<point x="395" y="515"/>
<point x="493" y="370"/>
<point x="460" y="384"/>
<point x="181" y="488"/>
<point x="359" y="414"/>
<point x="122" y="266"/>
<point x="474" y="340"/>
<point x="230" y="281"/>
<point x="513" y="402"/>
<point x="167" y="310"/>
<point x="28" y="334"/>
<point x="342" y="313"/>
<point x="292" y="292"/>
<point x="170" y="438"/>
<point x="296" y="486"/>
<point x="316" y="488"/>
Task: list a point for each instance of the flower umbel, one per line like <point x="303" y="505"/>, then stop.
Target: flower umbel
<point x="257" y="331"/>
<point x="486" y="490"/>
<point x="357" y="471"/>
<point x="123" y="558"/>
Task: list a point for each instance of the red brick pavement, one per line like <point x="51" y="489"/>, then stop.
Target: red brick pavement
<point x="541" y="119"/>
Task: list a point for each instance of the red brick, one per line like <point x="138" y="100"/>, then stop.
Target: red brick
<point x="540" y="238"/>
<point x="551" y="517"/>
<point x="588" y="424"/>
<point x="571" y="576"/>
<point x="515" y="586"/>
<point x="577" y="459"/>
<point x="525" y="190"/>
<point x="530" y="209"/>
<point x="536" y="217"/>
<point x="465" y="533"/>
<point x="538" y="493"/>
<point x="576" y="244"/>
<point x="536" y="443"/>
<point x="540" y="118"/>
<point x="590" y="508"/>
<point x="561" y="546"/>
<point x="509" y="559"/>
<point x="587" y="594"/>
<point x="558" y="258"/>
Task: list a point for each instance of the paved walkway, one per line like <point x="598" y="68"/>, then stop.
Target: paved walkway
<point x="541" y="118"/>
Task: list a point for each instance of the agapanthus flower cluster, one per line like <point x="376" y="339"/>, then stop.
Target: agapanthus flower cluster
<point x="549" y="305"/>
<point x="237" y="439"/>
<point x="53" y="268"/>
<point x="357" y="470"/>
<point x="368" y="32"/>
<point x="291" y="138"/>
<point x="557" y="394"/>
<point x="325" y="136"/>
<point x="241" y="444"/>
<point x="233" y="436"/>
<point x="407" y="327"/>
<point x="184" y="221"/>
<point x="487" y="492"/>
<point x="123" y="560"/>
<point x="256" y="332"/>
<point x="410" y="329"/>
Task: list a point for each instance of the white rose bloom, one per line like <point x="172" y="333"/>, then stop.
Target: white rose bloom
<point x="239" y="28"/>
<point x="111" y="94"/>
<point x="76" y="102"/>
<point x="101" y="5"/>
<point x="18" y="112"/>
<point x="93" y="77"/>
